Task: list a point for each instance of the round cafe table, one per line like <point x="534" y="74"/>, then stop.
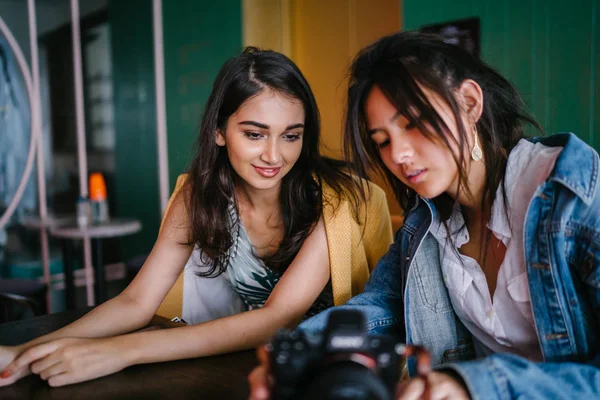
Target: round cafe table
<point x="34" y="222"/>
<point x="70" y="231"/>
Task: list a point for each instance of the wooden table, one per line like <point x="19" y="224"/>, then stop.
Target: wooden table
<point x="220" y="377"/>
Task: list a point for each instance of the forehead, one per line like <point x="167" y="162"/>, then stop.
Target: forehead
<point x="377" y="104"/>
<point x="271" y="107"/>
<point x="379" y="108"/>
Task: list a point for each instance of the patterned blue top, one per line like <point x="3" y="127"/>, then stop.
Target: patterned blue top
<point x="252" y="279"/>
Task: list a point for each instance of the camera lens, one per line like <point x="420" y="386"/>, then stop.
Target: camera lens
<point x="345" y="381"/>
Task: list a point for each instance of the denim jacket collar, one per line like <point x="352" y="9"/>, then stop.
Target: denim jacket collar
<point x="422" y="213"/>
<point x="574" y="165"/>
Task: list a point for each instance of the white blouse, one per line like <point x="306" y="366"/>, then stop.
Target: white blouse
<point x="505" y="322"/>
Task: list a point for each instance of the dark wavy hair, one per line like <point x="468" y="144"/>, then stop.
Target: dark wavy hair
<point x="210" y="188"/>
<point x="400" y="65"/>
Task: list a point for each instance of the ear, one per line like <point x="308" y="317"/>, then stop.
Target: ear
<point x="471" y="97"/>
<point x="220" y="138"/>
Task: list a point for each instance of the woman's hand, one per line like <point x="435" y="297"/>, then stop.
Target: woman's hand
<point x="70" y="360"/>
<point x="259" y="377"/>
<point x="433" y="386"/>
<point x="7" y="355"/>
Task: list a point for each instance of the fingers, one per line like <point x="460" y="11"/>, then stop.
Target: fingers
<point x="258" y="384"/>
<point x="29" y="356"/>
<point x="443" y="386"/>
<point x="416" y="388"/>
<point x="59" y="375"/>
<point x="14" y="377"/>
<point x="434" y="386"/>
<point x="263" y="355"/>
<point x="259" y="377"/>
<point x="54" y="369"/>
<point x="63" y="379"/>
<point x="422" y="357"/>
<point x="413" y="389"/>
<point x="40" y="365"/>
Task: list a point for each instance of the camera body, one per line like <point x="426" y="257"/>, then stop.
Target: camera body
<point x="341" y="363"/>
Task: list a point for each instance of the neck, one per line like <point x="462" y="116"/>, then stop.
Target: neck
<point x="471" y="198"/>
<point x="257" y="199"/>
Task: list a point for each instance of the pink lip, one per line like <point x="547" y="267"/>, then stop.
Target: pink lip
<point x="267" y="172"/>
<point x="418" y="177"/>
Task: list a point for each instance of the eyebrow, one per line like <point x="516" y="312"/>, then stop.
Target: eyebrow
<point x="373" y="131"/>
<point x="263" y="126"/>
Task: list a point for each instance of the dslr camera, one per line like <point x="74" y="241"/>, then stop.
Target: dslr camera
<point x="340" y="363"/>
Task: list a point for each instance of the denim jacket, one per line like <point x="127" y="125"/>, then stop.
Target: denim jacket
<point x="406" y="295"/>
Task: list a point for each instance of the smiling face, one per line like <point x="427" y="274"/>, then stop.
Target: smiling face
<point x="264" y="139"/>
<point x="425" y="165"/>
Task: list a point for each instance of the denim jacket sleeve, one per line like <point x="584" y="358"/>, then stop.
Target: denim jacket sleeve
<point x="381" y="300"/>
<point x="506" y="376"/>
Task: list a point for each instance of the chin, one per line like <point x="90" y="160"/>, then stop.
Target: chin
<point x="429" y="193"/>
<point x="262" y="185"/>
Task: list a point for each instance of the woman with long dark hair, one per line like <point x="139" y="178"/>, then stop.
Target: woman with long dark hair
<point x="496" y="268"/>
<point x="272" y="228"/>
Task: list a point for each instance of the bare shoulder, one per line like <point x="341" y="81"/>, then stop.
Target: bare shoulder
<point x="176" y="222"/>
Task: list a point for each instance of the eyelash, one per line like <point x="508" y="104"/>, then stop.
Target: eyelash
<point x="410" y="126"/>
<point x="254" y="135"/>
<point x="257" y="136"/>
<point x="291" y="137"/>
<point x="383" y="144"/>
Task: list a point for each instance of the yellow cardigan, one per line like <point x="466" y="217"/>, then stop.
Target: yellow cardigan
<point x="352" y="253"/>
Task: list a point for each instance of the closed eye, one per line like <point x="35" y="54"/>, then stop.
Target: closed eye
<point x="254" y="135"/>
<point x="291" y="137"/>
<point x="383" y="144"/>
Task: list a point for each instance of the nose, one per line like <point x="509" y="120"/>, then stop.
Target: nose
<point x="402" y="151"/>
<point x="271" y="154"/>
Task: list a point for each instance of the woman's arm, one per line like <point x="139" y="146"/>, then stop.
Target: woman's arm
<point x="67" y="361"/>
<point x="289" y="301"/>
<point x="135" y="306"/>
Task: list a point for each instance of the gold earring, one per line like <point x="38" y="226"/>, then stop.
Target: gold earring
<point x="476" y="153"/>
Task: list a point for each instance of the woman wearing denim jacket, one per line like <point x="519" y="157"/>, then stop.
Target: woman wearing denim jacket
<point x="496" y="268"/>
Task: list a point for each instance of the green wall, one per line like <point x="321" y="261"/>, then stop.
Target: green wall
<point x="136" y="167"/>
<point x="199" y="35"/>
<point x="548" y="49"/>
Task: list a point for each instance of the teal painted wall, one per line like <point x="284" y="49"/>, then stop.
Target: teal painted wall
<point x="136" y="167"/>
<point x="548" y="49"/>
<point x="199" y="37"/>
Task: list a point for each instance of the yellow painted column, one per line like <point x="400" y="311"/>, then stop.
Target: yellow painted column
<point x="267" y="24"/>
<point x="322" y="37"/>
